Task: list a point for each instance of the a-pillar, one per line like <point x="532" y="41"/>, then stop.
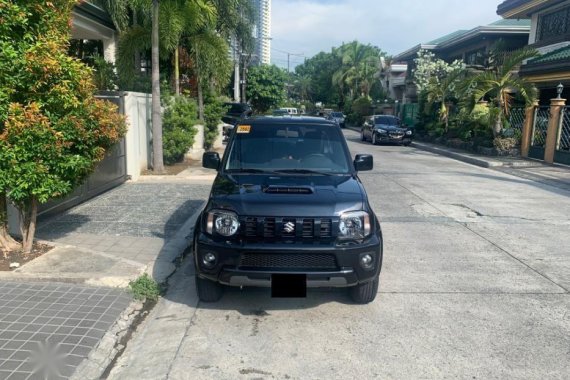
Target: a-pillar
<point x="526" y="137"/>
<point x="556" y="106"/>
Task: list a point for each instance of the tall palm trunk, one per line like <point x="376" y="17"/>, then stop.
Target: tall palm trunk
<point x="177" y="70"/>
<point x="498" y="126"/>
<point x="158" y="163"/>
<point x="200" y="92"/>
<point x="6" y="240"/>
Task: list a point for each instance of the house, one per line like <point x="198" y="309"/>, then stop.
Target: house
<point x="546" y="128"/>
<point x="550" y="35"/>
<point x="470" y="46"/>
<point x="93" y="23"/>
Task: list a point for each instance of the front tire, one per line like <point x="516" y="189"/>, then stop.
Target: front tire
<point x="365" y="293"/>
<point x="374" y="142"/>
<point x="208" y="291"/>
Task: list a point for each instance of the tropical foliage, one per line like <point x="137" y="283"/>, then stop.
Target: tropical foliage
<point x="266" y="87"/>
<point x="52" y="129"/>
<point x="349" y="72"/>
<point x="481" y="98"/>
<point x="178" y="124"/>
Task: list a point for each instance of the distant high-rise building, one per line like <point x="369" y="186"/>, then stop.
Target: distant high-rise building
<point x="262" y="30"/>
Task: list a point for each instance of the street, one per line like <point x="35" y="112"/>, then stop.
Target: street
<point x="475" y="285"/>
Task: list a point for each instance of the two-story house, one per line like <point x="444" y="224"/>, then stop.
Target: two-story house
<point x="470" y="46"/>
<point x="550" y="35"/>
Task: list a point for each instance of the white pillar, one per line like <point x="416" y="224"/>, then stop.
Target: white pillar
<point x="197" y="150"/>
<point x="109" y="49"/>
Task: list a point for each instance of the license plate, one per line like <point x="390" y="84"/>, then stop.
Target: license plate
<point x="289" y="285"/>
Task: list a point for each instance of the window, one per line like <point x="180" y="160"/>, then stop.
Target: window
<point x="553" y="25"/>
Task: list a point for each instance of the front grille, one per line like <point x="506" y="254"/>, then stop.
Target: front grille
<point x="286" y="229"/>
<point x="288" y="261"/>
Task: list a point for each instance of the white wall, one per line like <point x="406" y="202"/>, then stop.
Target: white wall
<point x="138" y="137"/>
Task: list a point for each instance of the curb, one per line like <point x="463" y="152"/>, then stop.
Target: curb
<point x="469" y="159"/>
<point x="114" y="341"/>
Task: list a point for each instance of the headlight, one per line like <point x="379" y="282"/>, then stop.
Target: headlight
<point x="382" y="131"/>
<point x="223" y="222"/>
<point x="354" y="225"/>
<point x="408" y="133"/>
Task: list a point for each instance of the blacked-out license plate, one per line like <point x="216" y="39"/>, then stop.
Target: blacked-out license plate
<point x="289" y="285"/>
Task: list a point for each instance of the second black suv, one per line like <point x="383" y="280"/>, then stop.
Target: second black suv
<point x="287" y="201"/>
<point x="235" y="112"/>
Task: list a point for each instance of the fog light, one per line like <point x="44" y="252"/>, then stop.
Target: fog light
<point x="366" y="261"/>
<point x="209" y="259"/>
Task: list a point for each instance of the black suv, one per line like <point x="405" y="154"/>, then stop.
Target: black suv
<point x="287" y="201"/>
<point x="235" y="112"/>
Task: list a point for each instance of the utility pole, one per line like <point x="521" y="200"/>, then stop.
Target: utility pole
<point x="237" y="57"/>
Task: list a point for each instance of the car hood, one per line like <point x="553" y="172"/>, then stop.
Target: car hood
<point x="390" y="128"/>
<point x="265" y="195"/>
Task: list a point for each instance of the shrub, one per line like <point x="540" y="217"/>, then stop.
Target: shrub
<point x="214" y="109"/>
<point x="361" y="108"/>
<point x="505" y="144"/>
<point x="178" y="128"/>
<point x="145" y="288"/>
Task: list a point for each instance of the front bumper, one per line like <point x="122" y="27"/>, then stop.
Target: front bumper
<point x="229" y="268"/>
<point x="386" y="138"/>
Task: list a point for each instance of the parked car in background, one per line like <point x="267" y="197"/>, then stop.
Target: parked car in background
<point x="385" y="129"/>
<point x="287" y="209"/>
<point x="280" y="112"/>
<point x="339" y="118"/>
<point x="290" y="110"/>
<point x="235" y="112"/>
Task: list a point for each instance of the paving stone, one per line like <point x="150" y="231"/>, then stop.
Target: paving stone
<point x="82" y="328"/>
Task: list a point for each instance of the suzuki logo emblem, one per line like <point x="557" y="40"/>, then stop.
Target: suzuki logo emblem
<point x="289" y="227"/>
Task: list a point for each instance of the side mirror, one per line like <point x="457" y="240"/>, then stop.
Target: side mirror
<point x="363" y="162"/>
<point x="211" y="160"/>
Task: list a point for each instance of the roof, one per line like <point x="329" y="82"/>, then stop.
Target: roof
<point x="447" y="37"/>
<point x="287" y="119"/>
<point x="561" y="54"/>
<point x="95" y="13"/>
<point x="511" y="22"/>
<point x="518" y="9"/>
<point x="459" y="36"/>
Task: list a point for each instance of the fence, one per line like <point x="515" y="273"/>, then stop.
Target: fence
<point x="564" y="140"/>
<point x="540" y="126"/>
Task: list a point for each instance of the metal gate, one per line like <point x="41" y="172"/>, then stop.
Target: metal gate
<point x="562" y="153"/>
<point x="516" y="122"/>
<point x="539" y="129"/>
<point x="110" y="172"/>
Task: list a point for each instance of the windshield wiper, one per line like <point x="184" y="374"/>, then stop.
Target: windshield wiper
<point x="302" y="171"/>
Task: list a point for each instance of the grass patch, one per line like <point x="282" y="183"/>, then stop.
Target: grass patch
<point x="145" y="287"/>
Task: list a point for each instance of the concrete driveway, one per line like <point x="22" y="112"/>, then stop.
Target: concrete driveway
<point x="475" y="285"/>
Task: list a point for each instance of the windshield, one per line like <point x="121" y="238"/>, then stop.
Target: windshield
<point x="386" y="120"/>
<point x="288" y="147"/>
<point x="337" y="114"/>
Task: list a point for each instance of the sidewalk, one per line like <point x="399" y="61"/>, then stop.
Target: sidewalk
<point x="538" y="171"/>
<point x="71" y="302"/>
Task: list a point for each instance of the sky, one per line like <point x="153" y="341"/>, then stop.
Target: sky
<point x="306" y="27"/>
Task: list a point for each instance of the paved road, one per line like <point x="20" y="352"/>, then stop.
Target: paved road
<point x="475" y="285"/>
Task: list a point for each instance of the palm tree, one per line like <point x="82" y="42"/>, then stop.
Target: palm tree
<point x="441" y="92"/>
<point x="359" y="66"/>
<point x="208" y="51"/>
<point x="157" y="160"/>
<point x="501" y="83"/>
